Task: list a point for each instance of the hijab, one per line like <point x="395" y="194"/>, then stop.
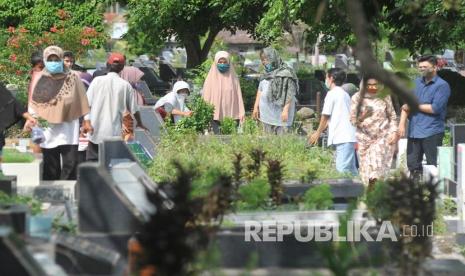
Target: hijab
<point x="284" y="84"/>
<point x="131" y="74"/>
<point x="223" y="90"/>
<point x="59" y="97"/>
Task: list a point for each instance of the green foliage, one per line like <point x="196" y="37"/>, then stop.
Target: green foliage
<point x="33" y="204"/>
<point x="249" y="92"/>
<point x="376" y="201"/>
<point x="59" y="226"/>
<point x="318" y="198"/>
<point x="207" y="151"/>
<point x="446" y="140"/>
<point x="228" y="126"/>
<point x="202" y="184"/>
<point x="450" y="206"/>
<point x="14" y="156"/>
<point x="201" y="117"/>
<point x="194" y="23"/>
<point x="253" y="195"/>
<point x="250" y="126"/>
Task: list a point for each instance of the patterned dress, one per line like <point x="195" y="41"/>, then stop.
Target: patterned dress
<point x="372" y="135"/>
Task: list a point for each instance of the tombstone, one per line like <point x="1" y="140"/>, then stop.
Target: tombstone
<point x="146" y="141"/>
<point x="114" y="150"/>
<point x="80" y="256"/>
<point x="14" y="217"/>
<point x="341" y="61"/>
<point x="461" y="187"/>
<point x="446" y="167"/>
<point x="15" y="258"/>
<point x="152" y="120"/>
<point x="8" y="185"/>
<point x="457" y="134"/>
<point x="146" y="94"/>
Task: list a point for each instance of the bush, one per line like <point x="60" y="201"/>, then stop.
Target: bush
<point x="201" y="117"/>
<point x="250" y="126"/>
<point x="254" y="195"/>
<point x="228" y="126"/>
<point x="318" y="198"/>
<point x="249" y="89"/>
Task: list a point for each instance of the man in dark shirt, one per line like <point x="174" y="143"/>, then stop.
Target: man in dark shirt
<point x="426" y="127"/>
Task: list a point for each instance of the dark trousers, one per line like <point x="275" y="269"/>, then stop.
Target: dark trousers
<point x="92" y="152"/>
<point x="53" y="158"/>
<point x="416" y="147"/>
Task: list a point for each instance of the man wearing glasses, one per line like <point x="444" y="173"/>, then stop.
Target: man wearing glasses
<point x="426" y="127"/>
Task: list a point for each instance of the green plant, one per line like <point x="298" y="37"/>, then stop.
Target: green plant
<point x="228" y="126"/>
<point x="201" y="117"/>
<point x="64" y="227"/>
<point x="275" y="178"/>
<point x="318" y="197"/>
<point x="450" y="206"/>
<point x="258" y="156"/>
<point x="376" y="201"/>
<point x="253" y="195"/>
<point x="249" y="92"/>
<point x="33" y="204"/>
<point x="14" y="156"/>
<point x="250" y="126"/>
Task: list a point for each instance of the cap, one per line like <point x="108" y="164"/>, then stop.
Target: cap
<point x="116" y="57"/>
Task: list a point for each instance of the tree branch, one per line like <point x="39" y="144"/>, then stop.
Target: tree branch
<point x="368" y="62"/>
<point x="209" y="42"/>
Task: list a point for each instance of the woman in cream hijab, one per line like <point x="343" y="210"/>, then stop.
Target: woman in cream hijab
<point x="59" y="97"/>
<point x="222" y="89"/>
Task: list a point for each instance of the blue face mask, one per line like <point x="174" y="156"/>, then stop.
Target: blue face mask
<point x="223" y="67"/>
<point x="54" y="67"/>
<point x="268" y="67"/>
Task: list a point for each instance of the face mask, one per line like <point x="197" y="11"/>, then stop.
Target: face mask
<point x="182" y="96"/>
<point x="223" y="67"/>
<point x="54" y="67"/>
<point x="268" y="67"/>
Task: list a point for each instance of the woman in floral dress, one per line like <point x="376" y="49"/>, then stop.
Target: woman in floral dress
<point x="376" y="130"/>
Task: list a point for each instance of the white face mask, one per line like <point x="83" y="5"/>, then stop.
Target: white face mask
<point x="327" y="83"/>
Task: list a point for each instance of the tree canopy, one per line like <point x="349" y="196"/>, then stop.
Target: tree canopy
<point x="194" y="23"/>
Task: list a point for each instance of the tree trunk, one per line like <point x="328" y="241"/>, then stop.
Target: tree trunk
<point x="197" y="54"/>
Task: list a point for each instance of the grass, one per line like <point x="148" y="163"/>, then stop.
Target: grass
<point x="206" y="153"/>
<point x="14" y="156"/>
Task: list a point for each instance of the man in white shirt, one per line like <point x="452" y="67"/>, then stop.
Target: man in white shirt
<point x="109" y="97"/>
<point x="336" y="114"/>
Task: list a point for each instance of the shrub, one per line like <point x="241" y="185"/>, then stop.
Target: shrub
<point x="228" y="126"/>
<point x="318" y="198"/>
<point x="253" y="195"/>
<point x="201" y="117"/>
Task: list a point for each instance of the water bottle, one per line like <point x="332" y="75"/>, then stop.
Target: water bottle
<point x="38" y="136"/>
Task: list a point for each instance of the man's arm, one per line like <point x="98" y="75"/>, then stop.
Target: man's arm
<point x="313" y="139"/>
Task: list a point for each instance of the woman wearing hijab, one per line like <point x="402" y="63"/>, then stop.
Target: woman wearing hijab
<point x="174" y="102"/>
<point x="133" y="75"/>
<point x="59" y="98"/>
<point x="276" y="95"/>
<point x="222" y="90"/>
<point x="376" y="131"/>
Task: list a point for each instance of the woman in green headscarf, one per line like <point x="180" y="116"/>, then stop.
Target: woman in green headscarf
<point x="276" y="95"/>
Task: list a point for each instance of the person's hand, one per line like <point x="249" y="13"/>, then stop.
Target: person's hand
<point x="242" y="119"/>
<point x="87" y="127"/>
<point x="30" y="123"/>
<point x="188" y="113"/>
<point x="284" y="116"/>
<point x="401" y="130"/>
<point x="313" y="139"/>
<point x="393" y="138"/>
<point x="406" y="108"/>
<point x="255" y="113"/>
